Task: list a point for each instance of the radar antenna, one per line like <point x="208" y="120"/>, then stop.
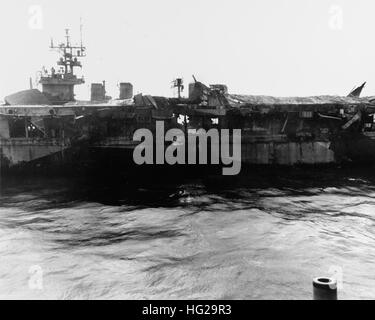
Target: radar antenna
<point x="69" y="54"/>
<point x="58" y="86"/>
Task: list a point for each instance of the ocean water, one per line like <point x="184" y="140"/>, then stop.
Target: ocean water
<point x="255" y="236"/>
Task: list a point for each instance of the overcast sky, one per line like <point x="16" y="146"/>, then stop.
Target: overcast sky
<point x="273" y="47"/>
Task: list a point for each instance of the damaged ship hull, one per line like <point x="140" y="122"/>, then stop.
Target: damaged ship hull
<point x="50" y="129"/>
<point x="274" y="131"/>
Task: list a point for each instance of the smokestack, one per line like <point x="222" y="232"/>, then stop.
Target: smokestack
<point x="98" y="91"/>
<point x="126" y="90"/>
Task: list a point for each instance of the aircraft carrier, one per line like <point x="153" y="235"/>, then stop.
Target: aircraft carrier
<point x="50" y="129"/>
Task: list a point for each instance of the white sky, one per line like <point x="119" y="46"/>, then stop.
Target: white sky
<point x="275" y="47"/>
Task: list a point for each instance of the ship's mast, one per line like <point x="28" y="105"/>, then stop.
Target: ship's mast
<point x="59" y="86"/>
<point x="179" y="84"/>
<point x="70" y="54"/>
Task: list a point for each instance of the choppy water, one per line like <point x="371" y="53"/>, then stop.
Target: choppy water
<point x="256" y="237"/>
